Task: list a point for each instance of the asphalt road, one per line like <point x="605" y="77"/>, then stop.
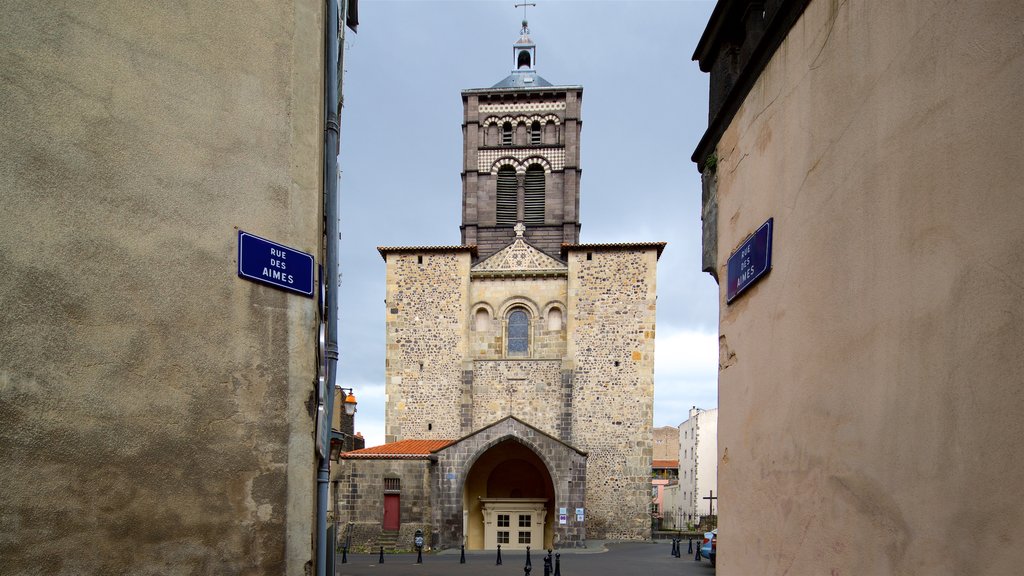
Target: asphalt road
<point x="610" y="559"/>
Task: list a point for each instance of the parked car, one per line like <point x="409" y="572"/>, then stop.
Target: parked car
<point x="708" y="546"/>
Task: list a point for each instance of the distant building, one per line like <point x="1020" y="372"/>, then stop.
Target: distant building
<point x="519" y="364"/>
<point x="666" y="443"/>
<point x="870" y="383"/>
<point x="698" y="464"/>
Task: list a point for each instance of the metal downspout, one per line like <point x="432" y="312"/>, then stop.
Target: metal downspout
<point x="332" y="24"/>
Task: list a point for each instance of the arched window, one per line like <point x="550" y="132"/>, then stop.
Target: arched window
<point x="506" y="134"/>
<point x="535" y="135"/>
<point x="518" y="341"/>
<point x="505" y="209"/>
<point x="533" y="208"/>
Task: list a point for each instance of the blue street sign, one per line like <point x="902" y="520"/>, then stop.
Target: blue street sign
<point x="751" y="261"/>
<point x="261" y="260"/>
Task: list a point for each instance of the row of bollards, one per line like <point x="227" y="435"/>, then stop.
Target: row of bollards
<point x="526" y="568"/>
<point x="677" y="544"/>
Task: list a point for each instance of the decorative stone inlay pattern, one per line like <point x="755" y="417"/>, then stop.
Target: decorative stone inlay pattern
<point x="518" y="256"/>
<point x="522" y="107"/>
<point x="553" y="159"/>
<point x="522" y="119"/>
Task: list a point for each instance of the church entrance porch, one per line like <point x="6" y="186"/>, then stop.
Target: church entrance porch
<point x="509" y="497"/>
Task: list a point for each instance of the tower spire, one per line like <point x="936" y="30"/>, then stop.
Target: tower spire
<point x="524" y="50"/>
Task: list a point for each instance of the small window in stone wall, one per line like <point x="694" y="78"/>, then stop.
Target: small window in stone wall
<point x="518" y="333"/>
<point x="555" y="319"/>
<point x="524" y="537"/>
<point x="502" y="537"/>
<point x="392" y="484"/>
<point x="503" y="519"/>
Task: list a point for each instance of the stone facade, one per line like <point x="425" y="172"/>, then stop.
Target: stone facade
<point x="426" y="343"/>
<point x="534" y="351"/>
<point x="611" y="346"/>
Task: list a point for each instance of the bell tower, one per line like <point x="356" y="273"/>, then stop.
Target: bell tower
<point x="521" y="159"/>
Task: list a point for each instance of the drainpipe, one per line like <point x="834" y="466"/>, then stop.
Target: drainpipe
<point x="332" y="25"/>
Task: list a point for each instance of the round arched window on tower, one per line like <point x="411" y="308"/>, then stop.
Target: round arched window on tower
<point x="518" y="341"/>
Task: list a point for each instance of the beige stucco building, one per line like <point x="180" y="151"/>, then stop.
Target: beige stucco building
<point x="520" y="363"/>
<point x="157" y="410"/>
<point x="870" y="383"/>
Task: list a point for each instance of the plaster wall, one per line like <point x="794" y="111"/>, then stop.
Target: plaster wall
<point x="870" y="384"/>
<point x="156" y="407"/>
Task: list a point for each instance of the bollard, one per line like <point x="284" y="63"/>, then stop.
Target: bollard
<point x="381" y="559"/>
<point x="696" y="556"/>
<point x="527" y="569"/>
<point x="462" y="558"/>
<point x="344" y="555"/>
<point x="419" y="556"/>
<point x="547" y="564"/>
<point x="689" y="549"/>
<point x="498" y="563"/>
<point x="528" y="563"/>
<point x="675" y="549"/>
<point x="558" y="565"/>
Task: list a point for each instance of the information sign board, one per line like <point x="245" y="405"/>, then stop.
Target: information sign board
<point x="267" y="262"/>
<point x="750" y="262"/>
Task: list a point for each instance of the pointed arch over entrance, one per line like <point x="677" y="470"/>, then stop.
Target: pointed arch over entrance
<point x="509" y="499"/>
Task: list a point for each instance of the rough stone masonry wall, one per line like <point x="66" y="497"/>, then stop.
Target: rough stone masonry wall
<point x="361" y="501"/>
<point x="611" y="340"/>
<point x="530" y="390"/>
<point x="426" y="321"/>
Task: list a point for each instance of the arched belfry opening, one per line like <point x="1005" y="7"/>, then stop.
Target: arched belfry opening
<point x="508" y="499"/>
<point x="523" y="60"/>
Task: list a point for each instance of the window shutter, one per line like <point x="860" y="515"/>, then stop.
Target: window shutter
<point x="505" y="211"/>
<point x="533" y="212"/>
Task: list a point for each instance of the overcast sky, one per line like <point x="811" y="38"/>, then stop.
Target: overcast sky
<point x="644" y="110"/>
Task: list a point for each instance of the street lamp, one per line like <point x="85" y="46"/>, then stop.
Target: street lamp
<point x="349" y="402"/>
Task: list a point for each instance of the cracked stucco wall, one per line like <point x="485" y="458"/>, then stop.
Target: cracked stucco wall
<point x="869" y="386"/>
<point x="153" y="404"/>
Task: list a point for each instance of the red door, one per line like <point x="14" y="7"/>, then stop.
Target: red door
<point x="391" y="508"/>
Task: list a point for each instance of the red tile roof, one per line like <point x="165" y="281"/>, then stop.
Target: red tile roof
<point x="403" y="449"/>
<point x="665" y="464"/>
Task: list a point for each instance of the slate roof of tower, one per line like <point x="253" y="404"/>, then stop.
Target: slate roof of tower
<point x="518" y="80"/>
<point x="403" y="449"/>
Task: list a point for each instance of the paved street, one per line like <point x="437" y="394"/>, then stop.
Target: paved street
<point x="612" y="559"/>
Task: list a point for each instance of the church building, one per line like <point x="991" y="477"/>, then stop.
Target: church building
<point x="520" y="363"/>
